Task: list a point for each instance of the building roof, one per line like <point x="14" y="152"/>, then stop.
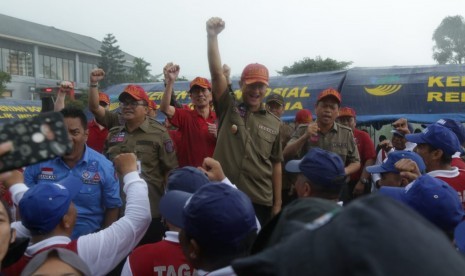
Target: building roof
<point x="29" y="32"/>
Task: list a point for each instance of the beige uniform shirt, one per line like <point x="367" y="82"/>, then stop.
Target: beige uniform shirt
<point x="155" y="154"/>
<point x="248" y="144"/>
<point x="340" y="140"/>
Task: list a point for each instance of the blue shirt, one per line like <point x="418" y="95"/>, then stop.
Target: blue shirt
<point x="100" y="187"/>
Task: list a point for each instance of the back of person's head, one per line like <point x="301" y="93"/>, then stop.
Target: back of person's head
<point x="323" y="171"/>
<point x="433" y="198"/>
<point x="56" y="261"/>
<point x="187" y="179"/>
<point x="221" y="219"/>
<point x="74" y="112"/>
<point x="218" y="223"/>
<point x="44" y="205"/>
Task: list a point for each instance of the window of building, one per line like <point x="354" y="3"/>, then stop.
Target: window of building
<point x="56" y="68"/>
<point x="16" y="62"/>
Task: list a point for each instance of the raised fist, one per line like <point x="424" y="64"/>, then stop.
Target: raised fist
<point x="171" y="71"/>
<point x="214" y="26"/>
<point x="97" y="75"/>
<point x="125" y="163"/>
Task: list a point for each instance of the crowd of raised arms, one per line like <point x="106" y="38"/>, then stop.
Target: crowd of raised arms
<point x="224" y="187"/>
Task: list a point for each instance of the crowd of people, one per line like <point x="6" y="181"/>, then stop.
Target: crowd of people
<point x="227" y="188"/>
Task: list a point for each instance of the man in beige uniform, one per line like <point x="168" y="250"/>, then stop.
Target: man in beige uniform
<point x="325" y="133"/>
<point x="148" y="139"/>
<point x="248" y="145"/>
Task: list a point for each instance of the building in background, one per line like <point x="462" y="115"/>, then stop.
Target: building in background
<point x="38" y="57"/>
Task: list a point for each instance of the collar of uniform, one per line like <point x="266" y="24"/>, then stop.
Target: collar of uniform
<point x="172" y="236"/>
<point x="262" y="109"/>
<point x="145" y="126"/>
<point x="34" y="248"/>
<point x="210" y="114"/>
<point x="84" y="158"/>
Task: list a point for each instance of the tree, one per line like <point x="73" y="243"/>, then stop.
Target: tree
<point x="140" y="72"/>
<point x="4" y="79"/>
<point x="449" y="39"/>
<point x="111" y="62"/>
<point x="309" y="65"/>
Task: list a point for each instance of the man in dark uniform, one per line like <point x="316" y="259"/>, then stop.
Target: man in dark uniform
<point x="148" y="139"/>
<point x="325" y="133"/>
<point x="249" y="144"/>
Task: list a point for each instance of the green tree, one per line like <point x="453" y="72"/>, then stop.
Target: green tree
<point x="309" y="65"/>
<point x="140" y="71"/>
<point x="111" y="62"/>
<point x="4" y="79"/>
<point x="449" y="39"/>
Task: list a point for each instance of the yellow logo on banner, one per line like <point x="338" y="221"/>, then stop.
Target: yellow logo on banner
<point x="383" y="90"/>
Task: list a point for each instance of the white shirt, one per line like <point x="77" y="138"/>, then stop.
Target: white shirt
<point x="103" y="250"/>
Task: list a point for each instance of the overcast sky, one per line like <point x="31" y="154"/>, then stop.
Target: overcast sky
<point x="277" y="33"/>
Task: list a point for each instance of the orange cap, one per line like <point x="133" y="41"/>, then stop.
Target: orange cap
<point x="255" y="72"/>
<point x="102" y="97"/>
<point x="330" y="92"/>
<point x="303" y="116"/>
<point x="136" y="92"/>
<point x="346" y="112"/>
<point x="153" y="105"/>
<point x="202" y="82"/>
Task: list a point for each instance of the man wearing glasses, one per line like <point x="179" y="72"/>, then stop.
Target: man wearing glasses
<point x="148" y="139"/>
<point x="197" y="126"/>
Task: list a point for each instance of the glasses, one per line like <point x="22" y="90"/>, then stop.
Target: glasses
<point x="133" y="104"/>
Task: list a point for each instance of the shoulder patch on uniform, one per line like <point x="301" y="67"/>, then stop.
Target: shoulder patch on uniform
<point x="169" y="147"/>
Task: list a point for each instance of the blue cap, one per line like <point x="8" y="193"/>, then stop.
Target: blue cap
<point x="322" y="167"/>
<point x="393" y="157"/>
<point x="433" y="198"/>
<point x="219" y="216"/>
<point x="438" y="137"/>
<point x="43" y="206"/>
<point x="187" y="179"/>
<point x="172" y="205"/>
<point x="455" y="126"/>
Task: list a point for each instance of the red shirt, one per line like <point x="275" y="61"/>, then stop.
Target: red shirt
<point x="458" y="162"/>
<point x="161" y="258"/>
<point x="97" y="136"/>
<point x="455" y="178"/>
<point x="196" y="143"/>
<point x="366" y="149"/>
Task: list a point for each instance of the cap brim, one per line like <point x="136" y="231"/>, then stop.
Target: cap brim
<point x="329" y="95"/>
<point x="198" y="85"/>
<point x="397" y="193"/>
<point x="293" y="166"/>
<point x="172" y="205"/>
<point x="276" y="101"/>
<point x="254" y="80"/>
<point x="124" y="93"/>
<point x="375" y="169"/>
<point x="416" y="138"/>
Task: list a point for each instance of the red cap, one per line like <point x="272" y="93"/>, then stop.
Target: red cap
<point x="255" y="73"/>
<point x="136" y="92"/>
<point x="202" y="82"/>
<point x="153" y="105"/>
<point x="303" y="116"/>
<point x="346" y="112"/>
<point x="102" y="97"/>
<point x="330" y="92"/>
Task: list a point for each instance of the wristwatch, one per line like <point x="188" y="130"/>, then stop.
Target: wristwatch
<point x="364" y="181"/>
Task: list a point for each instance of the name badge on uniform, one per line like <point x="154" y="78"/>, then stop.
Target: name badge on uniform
<point x="118" y="138"/>
<point x="139" y="166"/>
